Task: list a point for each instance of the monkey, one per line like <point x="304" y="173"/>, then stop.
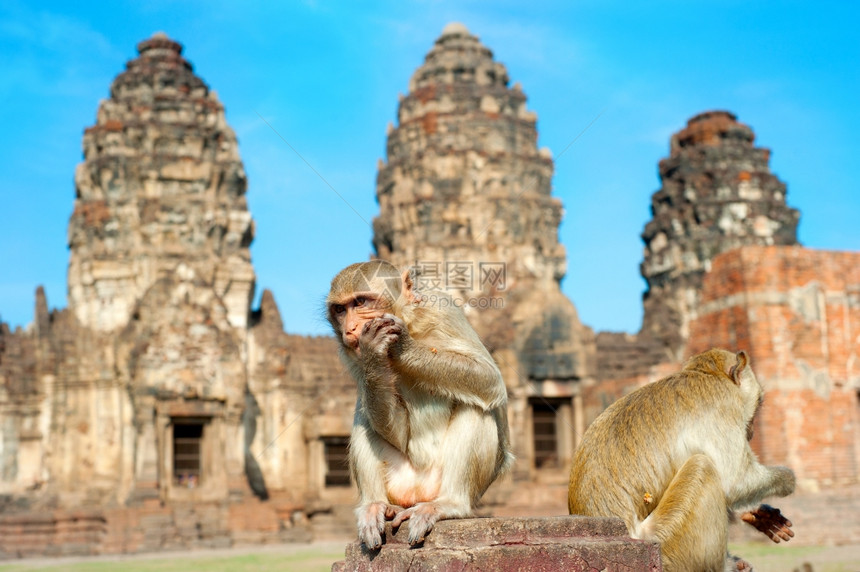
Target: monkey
<point x="430" y="430"/>
<point x="673" y="460"/>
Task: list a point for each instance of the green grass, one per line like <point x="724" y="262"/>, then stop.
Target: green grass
<point x="305" y="560"/>
<point x="768" y="557"/>
<point x="765" y="558"/>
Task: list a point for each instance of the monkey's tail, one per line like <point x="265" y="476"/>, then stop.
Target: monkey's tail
<point x="506" y="462"/>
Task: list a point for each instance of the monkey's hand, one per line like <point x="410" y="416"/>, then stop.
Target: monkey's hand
<point x="371" y="522"/>
<point x="769" y="520"/>
<point x="379" y="335"/>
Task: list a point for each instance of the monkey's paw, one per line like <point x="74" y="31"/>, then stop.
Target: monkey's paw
<point x="421" y="518"/>
<point x="739" y="564"/>
<point x="380" y="334"/>
<point x="770" y="521"/>
<point x="371" y="522"/>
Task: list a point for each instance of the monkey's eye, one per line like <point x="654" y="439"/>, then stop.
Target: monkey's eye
<point x="338" y="308"/>
<point x="360" y="301"/>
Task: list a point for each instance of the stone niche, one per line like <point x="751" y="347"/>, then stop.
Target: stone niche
<point x="192" y="454"/>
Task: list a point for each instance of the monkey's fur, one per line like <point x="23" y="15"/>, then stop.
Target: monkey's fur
<point x="430" y="431"/>
<point x="672" y="459"/>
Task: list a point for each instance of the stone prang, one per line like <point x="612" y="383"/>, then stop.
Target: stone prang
<point x="718" y="193"/>
<point x="465" y="198"/>
<point x="159" y="410"/>
<point x="161" y="181"/>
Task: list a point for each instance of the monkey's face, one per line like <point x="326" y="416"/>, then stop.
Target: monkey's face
<point x="362" y="292"/>
<point x="349" y="315"/>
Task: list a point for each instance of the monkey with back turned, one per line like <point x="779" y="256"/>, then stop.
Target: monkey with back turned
<point x="673" y="460"/>
<point x="430" y="432"/>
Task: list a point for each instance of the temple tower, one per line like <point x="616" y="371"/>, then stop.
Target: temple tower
<point x="160" y="267"/>
<point x="161" y="185"/>
<point x="465" y="199"/>
<point x="158" y="387"/>
<point x="717" y="193"/>
<point x="464" y="178"/>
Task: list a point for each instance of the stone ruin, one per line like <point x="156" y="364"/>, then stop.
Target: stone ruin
<point x="465" y="199"/>
<point x="718" y="194"/>
<point x="159" y="410"/>
<point x="158" y="402"/>
<point x="161" y="182"/>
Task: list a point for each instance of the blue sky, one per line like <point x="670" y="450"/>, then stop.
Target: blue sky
<point x="327" y="75"/>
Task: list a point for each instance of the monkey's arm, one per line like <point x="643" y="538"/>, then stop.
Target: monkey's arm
<point x="468" y="378"/>
<point x="454" y="365"/>
<point x="756" y="482"/>
<point x="382" y="403"/>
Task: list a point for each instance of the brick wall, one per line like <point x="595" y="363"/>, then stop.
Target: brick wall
<point x="150" y="527"/>
<point x="797" y="312"/>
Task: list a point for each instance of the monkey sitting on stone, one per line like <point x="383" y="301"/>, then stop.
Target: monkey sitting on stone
<point x="430" y="431"/>
<point x="673" y="460"/>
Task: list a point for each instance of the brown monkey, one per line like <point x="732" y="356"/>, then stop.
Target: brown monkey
<point x="673" y="460"/>
<point x="430" y="432"/>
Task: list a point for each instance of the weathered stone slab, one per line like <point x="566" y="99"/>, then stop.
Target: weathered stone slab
<point x="571" y="543"/>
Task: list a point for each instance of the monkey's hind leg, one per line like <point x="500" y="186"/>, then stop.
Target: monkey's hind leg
<point x="691" y="520"/>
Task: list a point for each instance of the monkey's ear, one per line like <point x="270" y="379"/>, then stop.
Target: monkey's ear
<point x="735" y="371"/>
<point x="407" y="286"/>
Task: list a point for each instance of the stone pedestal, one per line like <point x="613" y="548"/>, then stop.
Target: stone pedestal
<point x="571" y="543"/>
